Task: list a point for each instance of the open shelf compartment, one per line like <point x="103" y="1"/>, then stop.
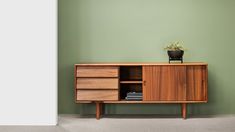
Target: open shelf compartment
<point x="131" y="73"/>
<point x="130" y="80"/>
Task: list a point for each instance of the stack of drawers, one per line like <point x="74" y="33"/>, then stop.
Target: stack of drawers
<point x="97" y="83"/>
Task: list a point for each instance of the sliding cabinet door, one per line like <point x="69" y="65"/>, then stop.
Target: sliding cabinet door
<point x="197" y="83"/>
<point x="164" y="83"/>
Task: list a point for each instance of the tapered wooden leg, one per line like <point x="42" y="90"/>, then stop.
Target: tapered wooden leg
<point x="101" y="108"/>
<point x="98" y="110"/>
<point x="184" y="110"/>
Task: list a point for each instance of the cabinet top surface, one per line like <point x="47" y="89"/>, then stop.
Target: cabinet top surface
<point x="137" y="63"/>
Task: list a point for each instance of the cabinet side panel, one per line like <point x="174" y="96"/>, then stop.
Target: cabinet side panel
<point x="205" y="84"/>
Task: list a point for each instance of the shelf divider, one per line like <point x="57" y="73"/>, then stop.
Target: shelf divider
<point x="131" y="82"/>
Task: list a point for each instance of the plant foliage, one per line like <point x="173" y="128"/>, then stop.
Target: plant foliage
<point x="174" y="46"/>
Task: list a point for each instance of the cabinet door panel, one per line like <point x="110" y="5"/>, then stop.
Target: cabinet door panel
<point x="196" y="83"/>
<point x="151" y="87"/>
<point x="164" y="83"/>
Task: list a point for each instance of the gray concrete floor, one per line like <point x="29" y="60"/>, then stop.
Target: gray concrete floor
<point x="72" y="123"/>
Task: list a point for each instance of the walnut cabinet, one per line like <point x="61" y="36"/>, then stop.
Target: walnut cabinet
<point x="102" y="83"/>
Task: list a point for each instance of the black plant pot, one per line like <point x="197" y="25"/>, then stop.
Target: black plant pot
<point x="175" y="55"/>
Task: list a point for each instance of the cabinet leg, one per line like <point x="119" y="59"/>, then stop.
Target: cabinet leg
<point x="98" y="110"/>
<point x="184" y="110"/>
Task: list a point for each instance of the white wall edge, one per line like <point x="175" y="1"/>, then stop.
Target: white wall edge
<point x="29" y="40"/>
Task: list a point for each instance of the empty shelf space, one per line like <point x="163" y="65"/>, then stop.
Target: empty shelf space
<point x="131" y="73"/>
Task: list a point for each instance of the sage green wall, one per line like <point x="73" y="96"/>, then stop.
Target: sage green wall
<point x="137" y="30"/>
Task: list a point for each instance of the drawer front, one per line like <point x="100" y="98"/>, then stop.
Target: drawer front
<point x="97" y="71"/>
<point x="97" y="83"/>
<point x="97" y="95"/>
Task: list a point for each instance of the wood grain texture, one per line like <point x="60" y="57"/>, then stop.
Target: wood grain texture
<point x="98" y="110"/>
<point x="184" y="110"/>
<point x="139" y="64"/>
<point x="97" y="95"/>
<point x="197" y="83"/>
<point x="164" y="83"/>
<point x="97" y="83"/>
<point x="97" y="71"/>
<point x="151" y="87"/>
<point x="193" y="89"/>
<point x="161" y="83"/>
<point x="206" y="82"/>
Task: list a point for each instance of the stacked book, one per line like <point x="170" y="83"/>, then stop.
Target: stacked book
<point x="137" y="96"/>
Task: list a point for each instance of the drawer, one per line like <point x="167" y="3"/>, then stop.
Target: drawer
<point x="97" y="71"/>
<point x="97" y="83"/>
<point x="97" y="95"/>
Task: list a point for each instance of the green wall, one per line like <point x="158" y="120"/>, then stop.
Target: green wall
<point x="137" y="30"/>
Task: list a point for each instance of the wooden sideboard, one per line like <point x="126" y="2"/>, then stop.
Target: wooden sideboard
<point x="180" y="83"/>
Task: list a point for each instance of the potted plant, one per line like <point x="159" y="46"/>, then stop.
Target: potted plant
<point x="175" y="51"/>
